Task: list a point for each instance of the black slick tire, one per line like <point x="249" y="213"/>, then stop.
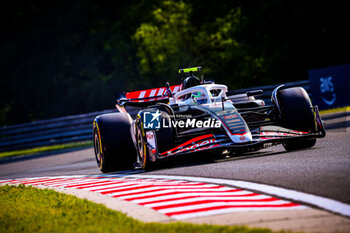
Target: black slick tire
<point x="113" y="146"/>
<point x="297" y="114"/>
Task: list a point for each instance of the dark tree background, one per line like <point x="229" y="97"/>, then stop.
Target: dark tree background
<point x="68" y="57"/>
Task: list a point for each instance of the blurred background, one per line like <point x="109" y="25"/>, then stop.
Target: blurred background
<point x="68" y="57"/>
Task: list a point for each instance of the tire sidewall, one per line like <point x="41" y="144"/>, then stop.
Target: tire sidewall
<point x="296" y="110"/>
<point x="117" y="151"/>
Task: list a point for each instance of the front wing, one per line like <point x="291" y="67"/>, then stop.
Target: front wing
<point x="222" y="142"/>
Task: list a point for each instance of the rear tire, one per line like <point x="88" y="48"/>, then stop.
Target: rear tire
<point x="297" y="114"/>
<point x="113" y="146"/>
<point x="143" y="155"/>
<point x="164" y="138"/>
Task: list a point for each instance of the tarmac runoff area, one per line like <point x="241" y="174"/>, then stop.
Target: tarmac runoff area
<point x="167" y="199"/>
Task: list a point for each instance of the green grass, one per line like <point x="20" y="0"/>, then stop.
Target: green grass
<point x="46" y="149"/>
<point x="27" y="209"/>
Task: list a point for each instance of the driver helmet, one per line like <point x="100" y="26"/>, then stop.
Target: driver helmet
<point x="199" y="98"/>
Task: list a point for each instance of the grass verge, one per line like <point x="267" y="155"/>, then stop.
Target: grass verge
<point x="46" y="149"/>
<point x="27" y="209"/>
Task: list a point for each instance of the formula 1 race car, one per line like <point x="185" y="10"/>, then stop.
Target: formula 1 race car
<point x="198" y="116"/>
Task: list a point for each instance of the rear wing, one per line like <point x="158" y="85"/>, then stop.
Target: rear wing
<point x="143" y="95"/>
<point x="147" y="97"/>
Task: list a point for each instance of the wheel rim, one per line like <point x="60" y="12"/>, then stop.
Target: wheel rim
<point x="97" y="148"/>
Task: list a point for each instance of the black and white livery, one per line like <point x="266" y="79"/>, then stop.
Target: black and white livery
<point x="198" y="116"/>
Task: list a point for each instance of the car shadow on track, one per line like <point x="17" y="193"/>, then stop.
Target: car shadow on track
<point x="198" y="159"/>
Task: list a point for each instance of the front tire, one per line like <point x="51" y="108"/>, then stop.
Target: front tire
<point x="113" y="145"/>
<point x="297" y="114"/>
<point x="299" y="144"/>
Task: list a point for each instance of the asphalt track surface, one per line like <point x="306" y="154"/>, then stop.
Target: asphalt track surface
<point x="323" y="170"/>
